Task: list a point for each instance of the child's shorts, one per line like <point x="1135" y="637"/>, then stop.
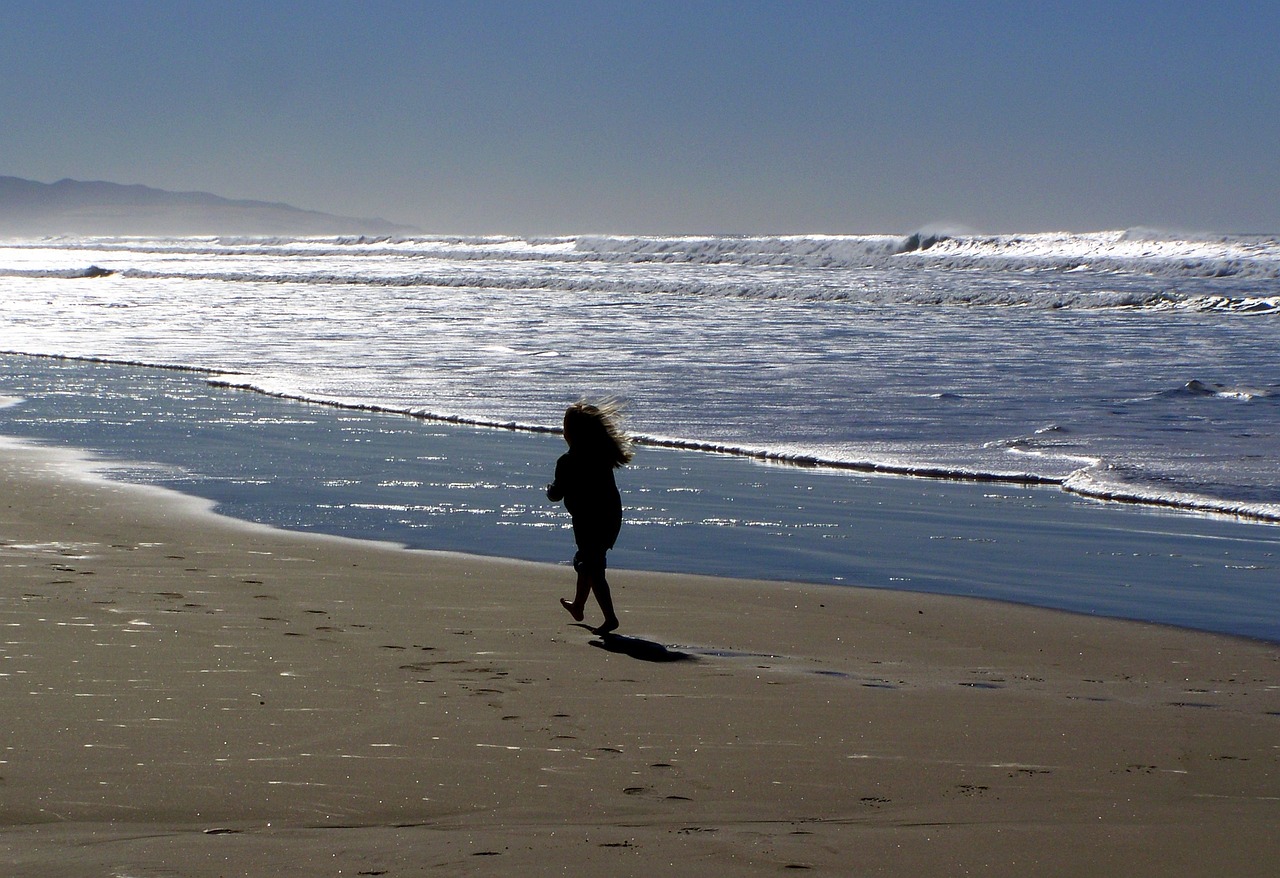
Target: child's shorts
<point x="589" y="561"/>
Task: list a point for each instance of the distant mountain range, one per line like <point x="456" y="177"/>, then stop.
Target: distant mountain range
<point x="73" y="207"/>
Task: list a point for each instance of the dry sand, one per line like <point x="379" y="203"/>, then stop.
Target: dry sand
<point x="188" y="695"/>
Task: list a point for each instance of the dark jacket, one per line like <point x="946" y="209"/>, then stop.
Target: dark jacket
<point x="587" y="486"/>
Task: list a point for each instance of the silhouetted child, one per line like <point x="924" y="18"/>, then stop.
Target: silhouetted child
<point x="584" y="481"/>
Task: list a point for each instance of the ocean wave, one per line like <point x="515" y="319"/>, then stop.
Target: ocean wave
<point x="1050" y="296"/>
<point x="1246" y="305"/>
<point x="790" y="457"/>
<point x="1109" y="483"/>
<point x="1098" y="252"/>
<point x="1201" y="389"/>
<point x="58" y="273"/>
<point x="1051" y="455"/>
<point x="456" y="248"/>
<point x="1135" y="251"/>
<point x="1088" y="477"/>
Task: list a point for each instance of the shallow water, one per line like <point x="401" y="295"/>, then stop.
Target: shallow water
<point x="441" y="486"/>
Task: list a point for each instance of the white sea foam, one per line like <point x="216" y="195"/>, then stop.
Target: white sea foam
<point x="1134" y="251"/>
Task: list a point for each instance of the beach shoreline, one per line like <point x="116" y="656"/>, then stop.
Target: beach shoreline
<point x="474" y="490"/>
<point x="196" y="695"/>
<point x="1070" y="483"/>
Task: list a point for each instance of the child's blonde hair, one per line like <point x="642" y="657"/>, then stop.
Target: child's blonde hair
<point x="597" y="429"/>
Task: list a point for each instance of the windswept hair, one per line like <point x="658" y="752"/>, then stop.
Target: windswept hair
<point x="596" y="429"/>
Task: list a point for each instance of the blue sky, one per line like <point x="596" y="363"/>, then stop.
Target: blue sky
<point x="665" y="117"/>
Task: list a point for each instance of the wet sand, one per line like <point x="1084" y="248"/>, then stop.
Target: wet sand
<point x="189" y="695"/>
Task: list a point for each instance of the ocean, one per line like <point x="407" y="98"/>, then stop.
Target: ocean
<point x="1064" y="370"/>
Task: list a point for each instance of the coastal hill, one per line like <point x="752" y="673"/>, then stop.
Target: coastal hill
<point x="73" y="207"/>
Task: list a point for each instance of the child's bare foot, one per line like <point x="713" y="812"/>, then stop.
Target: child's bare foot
<point x="573" y="611"/>
<point x="609" y="625"/>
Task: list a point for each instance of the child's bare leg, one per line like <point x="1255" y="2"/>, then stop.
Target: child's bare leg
<point x="605" y="599"/>
<point x="577" y="606"/>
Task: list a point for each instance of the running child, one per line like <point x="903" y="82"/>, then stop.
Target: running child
<point x="584" y="481"/>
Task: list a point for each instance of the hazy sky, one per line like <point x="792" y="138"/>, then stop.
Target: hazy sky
<point x="661" y="116"/>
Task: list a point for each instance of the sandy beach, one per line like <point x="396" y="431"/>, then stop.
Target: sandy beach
<point x="190" y="695"/>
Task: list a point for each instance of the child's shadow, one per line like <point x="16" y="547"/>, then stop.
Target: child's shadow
<point x="636" y="648"/>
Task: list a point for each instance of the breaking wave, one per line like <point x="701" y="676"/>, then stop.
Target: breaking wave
<point x="1136" y="251"/>
<point x="1223" y="274"/>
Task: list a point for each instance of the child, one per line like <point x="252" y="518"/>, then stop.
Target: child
<point x="584" y="481"/>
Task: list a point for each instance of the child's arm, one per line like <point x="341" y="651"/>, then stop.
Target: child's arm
<point x="555" y="490"/>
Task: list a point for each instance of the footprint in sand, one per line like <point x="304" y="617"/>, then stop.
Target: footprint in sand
<point x="1141" y="769"/>
<point x="429" y="666"/>
<point x="645" y="791"/>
